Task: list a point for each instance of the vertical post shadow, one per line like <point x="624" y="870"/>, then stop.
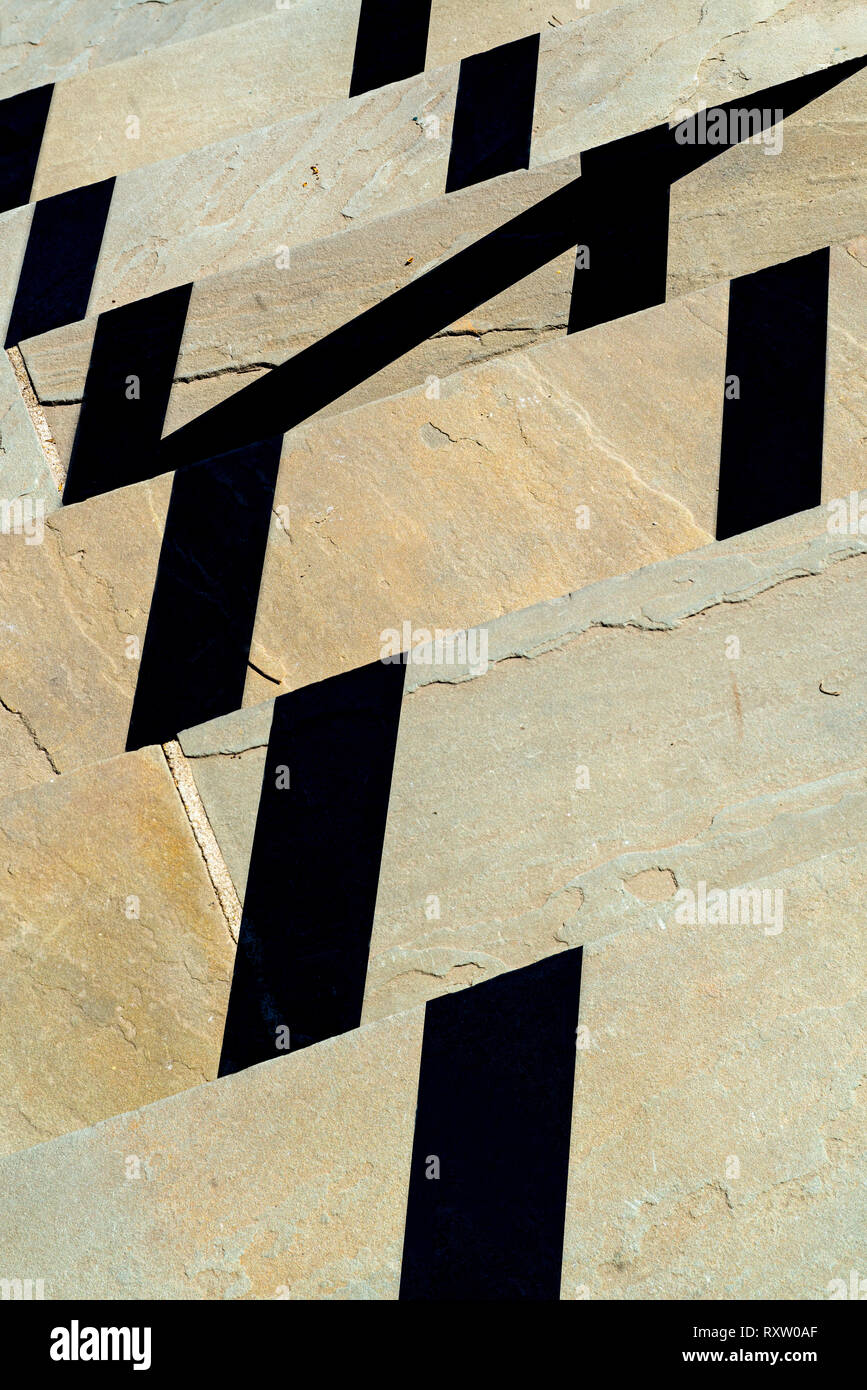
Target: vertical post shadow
<point x="314" y="870"/>
<point x="391" y="43"/>
<point x="126" y="393"/>
<point x="22" y="126"/>
<point x="60" y="260"/>
<point x="200" y="625"/>
<point x="490" y="1160"/>
<point x="622" y="260"/>
<point x="493" y="124"/>
<point x="774" y="403"/>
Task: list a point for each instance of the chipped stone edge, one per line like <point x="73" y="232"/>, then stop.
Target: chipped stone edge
<point x="722" y="573"/>
<point x="38" y="418"/>
<point x="204" y="836"/>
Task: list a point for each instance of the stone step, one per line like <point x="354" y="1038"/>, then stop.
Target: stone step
<point x="239" y="325"/>
<point x="225" y="203"/>
<point x="117" y="957"/>
<point x="480" y="822"/>
<point x="40" y="45"/>
<point x="290" y="59"/>
<point x="445" y="512"/>
<point x="176" y="98"/>
<point x="549" y="782"/>
<point x="708" y="1146"/>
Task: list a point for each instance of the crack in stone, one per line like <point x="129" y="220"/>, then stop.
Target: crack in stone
<point x="32" y="732"/>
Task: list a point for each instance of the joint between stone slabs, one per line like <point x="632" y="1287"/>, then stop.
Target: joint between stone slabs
<point x="38" y="418"/>
<point x="230" y="903"/>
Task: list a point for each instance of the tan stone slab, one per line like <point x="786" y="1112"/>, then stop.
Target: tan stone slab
<point x="47" y="43"/>
<point x="241" y="323"/>
<point x="285" y="1181"/>
<point x="697" y="1045"/>
<point x="227" y="203"/>
<point x="612" y="723"/>
<point x="196" y="91"/>
<point x="729" y="213"/>
<point x="70" y="606"/>
<point x="579" y="813"/>
<point x="846" y="391"/>
<point x="718" y="1126"/>
<point x="485" y="486"/>
<point x="448" y="511"/>
<point x="444" y="512"/>
<point x="43" y="43"/>
<point x="115" y="959"/>
<point x="24" y="468"/>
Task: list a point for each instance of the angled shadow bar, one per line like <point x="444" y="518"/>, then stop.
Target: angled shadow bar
<point x="490" y="1158"/>
<point x="22" y="125"/>
<point x="311" y="891"/>
<point x="391" y="43"/>
<point x="774" y="400"/>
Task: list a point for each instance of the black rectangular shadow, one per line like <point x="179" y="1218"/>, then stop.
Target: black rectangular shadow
<point x="203" y="608"/>
<point x="126" y="393"/>
<point x="493" y="123"/>
<point x="774" y="398"/>
<point x="391" y="43"/>
<point x="302" y="954"/>
<point x="490" y="1159"/>
<point x="59" y="261"/>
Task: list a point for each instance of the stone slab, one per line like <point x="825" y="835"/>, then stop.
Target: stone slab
<point x="697" y="1046"/>
<point x="234" y="79"/>
<point x="243" y="322"/>
<point x="555" y="798"/>
<point x="408" y="509"/>
<point x="115" y="958"/>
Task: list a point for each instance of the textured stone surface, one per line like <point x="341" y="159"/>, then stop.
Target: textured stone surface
<point x="718" y="1125"/>
<point x="471" y="482"/>
<point x="234" y="201"/>
<point x="242" y="322"/>
<point x="700" y="1045"/>
<point x="736" y="208"/>
<point x="115" y="959"/>
<point x="701" y="758"/>
<point x="285" y="1181"/>
<point x="227" y="758"/>
<point x="252" y="74"/>
<point x="46" y="43"/>
<point x="195" y="91"/>
<point x="629" y="680"/>
<point x="69" y="606"/>
<point x="24" y="470"/>
<point x="442" y="512"/>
